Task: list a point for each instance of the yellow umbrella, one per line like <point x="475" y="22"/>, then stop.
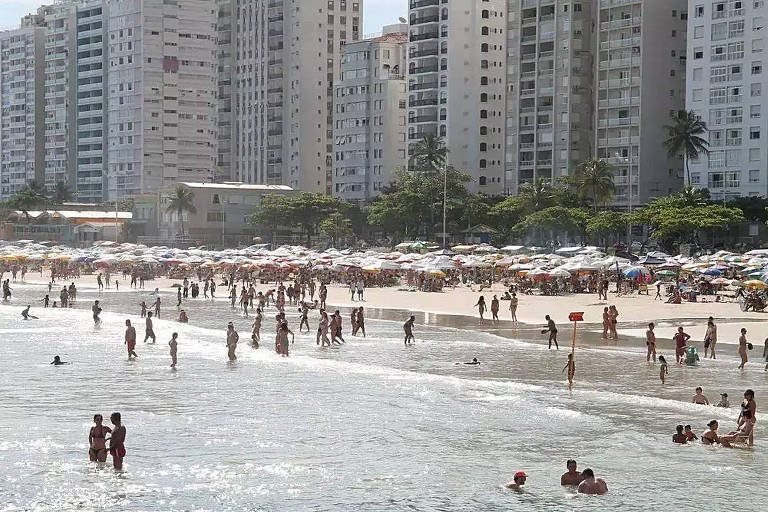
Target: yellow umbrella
<point x="754" y="283"/>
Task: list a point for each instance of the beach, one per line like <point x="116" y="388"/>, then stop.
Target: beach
<point x="370" y="425"/>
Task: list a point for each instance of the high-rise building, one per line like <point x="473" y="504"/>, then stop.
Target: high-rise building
<point x="369" y="115"/>
<point x="550" y="93"/>
<point x="91" y="117"/>
<point x="287" y="57"/>
<point x="726" y="43"/>
<point x="22" y="134"/>
<point x="226" y="64"/>
<point x="457" y="75"/>
<point x="641" y="84"/>
<point x="61" y="94"/>
<point x="162" y="89"/>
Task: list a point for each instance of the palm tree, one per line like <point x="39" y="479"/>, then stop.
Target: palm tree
<point x="182" y="200"/>
<point x="429" y="153"/>
<point x="61" y="193"/>
<point x="692" y="196"/>
<point x="594" y="180"/>
<point x="537" y="195"/>
<point x="27" y="198"/>
<point x="685" y="136"/>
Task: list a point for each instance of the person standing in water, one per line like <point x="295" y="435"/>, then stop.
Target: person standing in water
<point x="96" y="309"/>
<point x="143" y="309"/>
<point x="97" y="441"/>
<point x="322" y="330"/>
<point x="513" y="307"/>
<point x="481" y="306"/>
<point x="710" y="338"/>
<point x="408" y="328"/>
<point x="680" y="338"/>
<point x="748" y="412"/>
<point x="650" y="340"/>
<point x="495" y="308"/>
<point x="571" y="367"/>
<point x="117" y="440"/>
<point x="173" y="344"/>
<point x="304" y="317"/>
<point x="149" y="331"/>
<point x="361" y="324"/>
<point x="130" y="339"/>
<point x="283" y="335"/>
<point x="157" y="307"/>
<point x="743" y="348"/>
<point x="663" y="369"/>
<point x="256" y="328"/>
<point x="552" y="330"/>
<point x="232" y="339"/>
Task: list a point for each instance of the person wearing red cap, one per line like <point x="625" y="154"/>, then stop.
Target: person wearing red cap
<point x="518" y="481"/>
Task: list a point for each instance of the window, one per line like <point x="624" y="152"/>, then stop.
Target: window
<point x="716" y="138"/>
<point x="754" y="155"/>
<point x="754" y="176"/>
<point x="754" y="112"/>
<point x="732" y="179"/>
<point x="698" y="53"/>
<point x="695" y="178"/>
<point x="483" y="181"/>
<point x="757" y="46"/>
<point x="719" y="31"/>
<point x="757" y="68"/>
<point x="754" y="133"/>
<point x="736" y="50"/>
<point x="697" y="74"/>
<point x="715" y="180"/>
<point x="698" y="32"/>
<point x="716" y="159"/>
<point x="757" y="23"/>
<point x="755" y="90"/>
<point x="698" y="11"/>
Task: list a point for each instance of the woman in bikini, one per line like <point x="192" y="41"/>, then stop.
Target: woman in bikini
<point x="97" y="441"/>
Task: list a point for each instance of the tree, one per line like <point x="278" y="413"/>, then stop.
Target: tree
<point x="336" y="227"/>
<point x="555" y="219"/>
<point x="594" y="181"/>
<point x="685" y="136"/>
<point x="270" y="214"/>
<point x="27" y="198"/>
<point x="538" y="195"/>
<point x="61" y="193"/>
<point x="181" y="200"/>
<point x="692" y="196"/>
<point x="607" y="223"/>
<point x="429" y="154"/>
<point x="308" y="210"/>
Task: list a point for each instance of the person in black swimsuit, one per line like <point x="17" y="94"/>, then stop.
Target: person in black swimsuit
<point x="97" y="441"/>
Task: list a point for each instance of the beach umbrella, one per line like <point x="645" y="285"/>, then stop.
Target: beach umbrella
<point x="754" y="283"/>
<point x="721" y="281"/>
<point x="633" y="272"/>
<point x="665" y="273"/>
<point x="711" y="271"/>
<point x="560" y="272"/>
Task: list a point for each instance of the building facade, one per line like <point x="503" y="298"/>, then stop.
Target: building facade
<point x="641" y="84"/>
<point x="457" y="67"/>
<point x="725" y="82"/>
<point x="287" y="57"/>
<point x="162" y="88"/>
<point x="369" y="136"/>
<point x="550" y="89"/>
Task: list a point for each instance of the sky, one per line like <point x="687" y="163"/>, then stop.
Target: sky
<point x="376" y="13"/>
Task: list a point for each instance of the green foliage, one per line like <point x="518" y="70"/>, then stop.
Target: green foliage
<point x="607" y="223"/>
<point x="685" y="136"/>
<point x="61" y="193"/>
<point x="594" y="181"/>
<point x="554" y="219"/>
<point x="428" y="155"/>
<point x="181" y="200"/>
<point x="336" y="227"/>
<point x="27" y="198"/>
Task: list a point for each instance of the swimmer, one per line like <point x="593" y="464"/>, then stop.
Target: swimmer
<point x="571" y="367"/>
<point x="25" y="313"/>
<point x="57" y="361"/>
<point x="232" y="339"/>
<point x="96" y="309"/>
<point x="699" y="397"/>
<point x="723" y="401"/>
<point x="592" y="485"/>
<point x="117" y="441"/>
<point x="518" y="481"/>
<point x="474" y="361"/>
<point x="130" y="339"/>
<point x="689" y="435"/>
<point x="679" y="437"/>
<point x="663" y="369"/>
<point x="173" y="344"/>
<point x="408" y="328"/>
<point x="97" y="442"/>
<point x="710" y="436"/>
<point x="183" y="318"/>
<point x="572" y="476"/>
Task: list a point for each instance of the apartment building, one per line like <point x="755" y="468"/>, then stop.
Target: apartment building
<point x="287" y="57"/>
<point x="370" y="115"/>
<point x="60" y="94"/>
<point x="162" y="84"/>
<point x="550" y="89"/>
<point x="22" y="137"/>
<point x="726" y="46"/>
<point x="90" y="64"/>
<point x="457" y="73"/>
<point x="641" y="84"/>
<point x="226" y="148"/>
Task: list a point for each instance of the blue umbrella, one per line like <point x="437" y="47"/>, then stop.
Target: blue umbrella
<point x="633" y="272"/>
<point x="711" y="271"/>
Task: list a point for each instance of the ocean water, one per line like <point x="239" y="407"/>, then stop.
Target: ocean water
<point x="369" y="426"/>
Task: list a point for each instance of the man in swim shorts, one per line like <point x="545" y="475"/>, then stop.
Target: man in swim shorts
<point x="591" y="485"/>
<point x="149" y="331"/>
<point x="130" y="339"/>
<point x="117" y="441"/>
<point x="572" y="476"/>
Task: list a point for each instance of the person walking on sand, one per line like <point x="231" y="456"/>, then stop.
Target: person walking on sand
<point x="650" y="340"/>
<point x="663" y="369"/>
<point x="571" y="367"/>
<point x="130" y="339"/>
<point x="513" y="307"/>
<point x="743" y="344"/>
<point x="148" y="330"/>
<point x="232" y="339"/>
<point x="117" y="441"/>
<point x="408" y="328"/>
<point x="710" y="338"/>
<point x="680" y="338"/>
<point x="552" y="330"/>
<point x="173" y="344"/>
<point x="481" y="306"/>
<point x="495" y="308"/>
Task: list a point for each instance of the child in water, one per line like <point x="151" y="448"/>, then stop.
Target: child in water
<point x="664" y="370"/>
<point x="571" y="367"/>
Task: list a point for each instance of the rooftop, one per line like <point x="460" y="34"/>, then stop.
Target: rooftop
<point x="238" y="186"/>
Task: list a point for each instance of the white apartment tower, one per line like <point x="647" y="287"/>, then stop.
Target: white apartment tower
<point x="287" y="57"/>
<point x="369" y="115"/>
<point x="457" y="72"/>
<point x="91" y="118"/>
<point x="162" y="89"/>
<point x="226" y="63"/>
<point x="727" y="41"/>
<point x="641" y="84"/>
<point x="21" y="108"/>
<point x="550" y="89"/>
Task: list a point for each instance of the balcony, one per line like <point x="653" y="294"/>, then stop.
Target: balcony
<point x="424" y="36"/>
<point x="620" y="43"/>
<point x="624" y="180"/>
<point x="619" y="102"/>
<point x="422" y="119"/>
<point x="423" y="86"/>
<point x="624" y="23"/>
<point x="424" y="19"/>
<point x="619" y="82"/>
<point x="426" y="102"/>
<point x="422" y="69"/>
<point x="418" y="4"/>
